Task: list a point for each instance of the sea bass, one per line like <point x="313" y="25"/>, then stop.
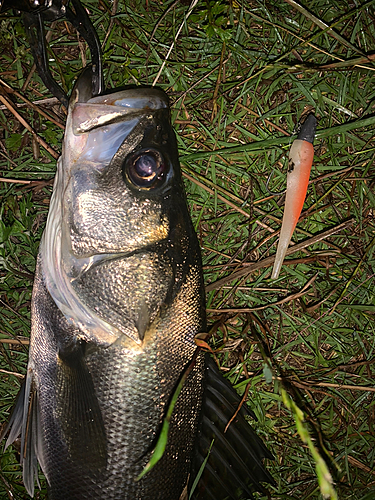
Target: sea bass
<point x="118" y="299"/>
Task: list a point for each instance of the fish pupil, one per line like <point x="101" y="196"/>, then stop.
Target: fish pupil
<point x="145" y="169"/>
<point x="146" y="166"/>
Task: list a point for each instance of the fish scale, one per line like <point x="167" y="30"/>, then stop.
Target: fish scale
<point x="102" y="288"/>
<point x="128" y="396"/>
<point x="132" y="392"/>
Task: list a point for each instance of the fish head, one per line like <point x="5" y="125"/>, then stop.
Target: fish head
<point x="118" y="218"/>
<point x="121" y="168"/>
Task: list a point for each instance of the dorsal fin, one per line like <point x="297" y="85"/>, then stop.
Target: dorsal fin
<point x="234" y="469"/>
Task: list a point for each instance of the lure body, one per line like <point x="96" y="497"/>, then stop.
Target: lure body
<point x="301" y="156"/>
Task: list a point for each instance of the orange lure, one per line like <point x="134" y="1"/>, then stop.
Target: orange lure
<point x="301" y="156"/>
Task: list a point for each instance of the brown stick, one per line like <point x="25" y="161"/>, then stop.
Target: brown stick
<point x="267" y="262"/>
<point x="259" y="308"/>
<point x="28" y="127"/>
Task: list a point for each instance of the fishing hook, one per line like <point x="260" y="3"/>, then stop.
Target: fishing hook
<point x="34" y="14"/>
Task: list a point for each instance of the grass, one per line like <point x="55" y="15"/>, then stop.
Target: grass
<point x="240" y="76"/>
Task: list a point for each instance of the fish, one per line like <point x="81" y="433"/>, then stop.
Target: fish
<point x="301" y="156"/>
<point x="118" y="300"/>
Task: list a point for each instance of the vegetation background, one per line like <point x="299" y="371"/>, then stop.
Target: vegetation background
<point x="241" y="75"/>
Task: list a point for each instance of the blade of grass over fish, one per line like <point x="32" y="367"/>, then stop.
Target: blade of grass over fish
<point x="161" y="443"/>
<point x="196" y="480"/>
<point x="324" y="477"/>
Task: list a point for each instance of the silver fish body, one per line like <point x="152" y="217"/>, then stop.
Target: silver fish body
<point x="118" y="298"/>
<point x="117" y="302"/>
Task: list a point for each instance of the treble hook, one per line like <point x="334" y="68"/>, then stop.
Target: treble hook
<point x="34" y="14"/>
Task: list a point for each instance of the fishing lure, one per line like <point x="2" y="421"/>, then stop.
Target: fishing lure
<point x="301" y="156"/>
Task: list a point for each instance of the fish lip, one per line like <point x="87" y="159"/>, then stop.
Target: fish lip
<point x="115" y="116"/>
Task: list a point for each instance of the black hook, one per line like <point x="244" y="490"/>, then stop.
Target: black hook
<point x="84" y="26"/>
<point x="35" y="35"/>
<point x="34" y="14"/>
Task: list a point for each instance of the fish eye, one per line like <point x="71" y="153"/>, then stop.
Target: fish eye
<point x="145" y="169"/>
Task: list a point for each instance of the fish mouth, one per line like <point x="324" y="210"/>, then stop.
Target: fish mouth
<point x="121" y="106"/>
<point x="97" y="126"/>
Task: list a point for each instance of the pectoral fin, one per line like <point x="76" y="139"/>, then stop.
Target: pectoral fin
<point x="72" y="420"/>
<point x="234" y="469"/>
<point x="24" y="421"/>
<point x="79" y="413"/>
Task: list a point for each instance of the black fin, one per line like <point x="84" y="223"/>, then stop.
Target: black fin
<point x="24" y="421"/>
<point x="234" y="469"/>
<point x="78" y="411"/>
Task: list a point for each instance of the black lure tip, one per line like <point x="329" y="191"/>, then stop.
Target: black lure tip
<point x="308" y="128"/>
